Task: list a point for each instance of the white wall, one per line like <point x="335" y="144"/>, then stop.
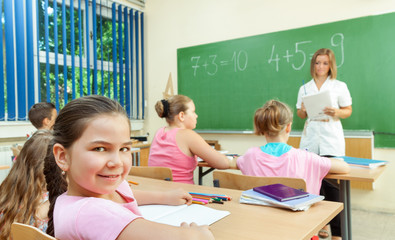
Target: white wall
<point x="173" y="24"/>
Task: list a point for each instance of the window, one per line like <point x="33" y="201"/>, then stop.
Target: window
<point x="61" y="52"/>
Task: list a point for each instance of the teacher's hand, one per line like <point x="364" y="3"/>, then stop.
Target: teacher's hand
<point x="331" y="111"/>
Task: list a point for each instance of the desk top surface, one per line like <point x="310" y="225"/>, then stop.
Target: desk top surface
<point x="359" y="174"/>
<point x="355" y="174"/>
<point x="250" y="221"/>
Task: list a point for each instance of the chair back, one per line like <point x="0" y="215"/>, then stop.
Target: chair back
<point x="20" y="231"/>
<point x="230" y="180"/>
<point x="161" y="173"/>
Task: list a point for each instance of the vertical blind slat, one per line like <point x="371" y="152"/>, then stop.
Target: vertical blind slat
<point x="80" y="46"/>
<point x="72" y="40"/>
<point x="20" y="60"/>
<point x="101" y="51"/>
<point x="87" y="51"/>
<point x="9" y="44"/>
<point x="38" y="4"/>
<point x="127" y="88"/>
<point x="46" y="24"/>
<point x="142" y="64"/>
<point x="120" y="51"/>
<point x="2" y="93"/>
<point x="137" y="64"/>
<point x="114" y="51"/>
<point x="64" y="43"/>
<point x="29" y="55"/>
<point x="55" y="17"/>
<point x="131" y="63"/>
<point x="94" y="47"/>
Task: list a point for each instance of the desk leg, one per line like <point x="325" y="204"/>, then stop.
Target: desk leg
<point x="200" y="176"/>
<point x="203" y="173"/>
<point x="346" y="213"/>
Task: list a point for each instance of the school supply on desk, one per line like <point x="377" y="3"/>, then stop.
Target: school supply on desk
<point x="281" y="192"/>
<point x="363" y="162"/>
<point x="315" y="104"/>
<point x="222" y="197"/>
<point x="175" y="215"/>
<point x="131" y="182"/>
<point x="301" y="204"/>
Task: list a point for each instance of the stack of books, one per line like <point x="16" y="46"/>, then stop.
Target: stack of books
<point x="279" y="195"/>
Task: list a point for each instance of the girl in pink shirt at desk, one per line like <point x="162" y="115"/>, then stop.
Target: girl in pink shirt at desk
<point x="91" y="147"/>
<point x="277" y="159"/>
<point x="177" y="145"/>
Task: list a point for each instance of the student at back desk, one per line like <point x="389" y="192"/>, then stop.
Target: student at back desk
<point x="177" y="145"/>
<point x="277" y="158"/>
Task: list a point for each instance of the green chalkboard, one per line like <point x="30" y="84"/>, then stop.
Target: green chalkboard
<point x="229" y="80"/>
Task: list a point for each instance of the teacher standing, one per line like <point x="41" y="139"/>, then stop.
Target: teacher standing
<point x="324" y="136"/>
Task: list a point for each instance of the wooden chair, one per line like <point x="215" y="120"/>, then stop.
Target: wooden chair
<point x="161" y="173"/>
<point x="21" y="231"/>
<point x="230" y="180"/>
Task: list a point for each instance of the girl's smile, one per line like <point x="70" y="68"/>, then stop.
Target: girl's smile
<point x="100" y="159"/>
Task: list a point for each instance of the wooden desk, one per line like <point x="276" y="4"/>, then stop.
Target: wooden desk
<point x="136" y="152"/>
<point x="250" y="221"/>
<point x="144" y="152"/>
<point x="4" y="167"/>
<point x="356" y="174"/>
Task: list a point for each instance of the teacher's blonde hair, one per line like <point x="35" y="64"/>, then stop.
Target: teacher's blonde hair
<point x="332" y="62"/>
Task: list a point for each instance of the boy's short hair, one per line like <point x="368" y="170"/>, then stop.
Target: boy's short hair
<point x="39" y="111"/>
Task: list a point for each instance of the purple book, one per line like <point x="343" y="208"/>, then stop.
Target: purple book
<point x="281" y="192"/>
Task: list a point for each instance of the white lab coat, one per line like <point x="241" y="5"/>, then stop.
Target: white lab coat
<point x="325" y="138"/>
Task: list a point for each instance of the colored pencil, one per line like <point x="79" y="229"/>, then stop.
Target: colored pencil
<point x="135" y="183"/>
<point x="198" y="202"/>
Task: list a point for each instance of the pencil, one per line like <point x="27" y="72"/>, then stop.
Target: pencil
<point x="198" y="202"/>
<point x="135" y="183"/>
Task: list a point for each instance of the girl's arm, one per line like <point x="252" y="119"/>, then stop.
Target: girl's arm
<point x="198" y="146"/>
<point x="173" y="197"/>
<point x="146" y="230"/>
<point x="339" y="166"/>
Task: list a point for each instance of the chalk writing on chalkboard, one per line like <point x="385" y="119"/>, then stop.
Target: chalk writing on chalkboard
<point x="238" y="62"/>
<point x="337" y="40"/>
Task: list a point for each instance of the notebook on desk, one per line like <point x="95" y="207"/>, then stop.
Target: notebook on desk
<point x="175" y="215"/>
<point x="363" y="162"/>
<point x="281" y="192"/>
<point x="300" y="204"/>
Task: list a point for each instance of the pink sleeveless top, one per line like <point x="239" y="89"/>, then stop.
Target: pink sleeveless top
<point x="164" y="152"/>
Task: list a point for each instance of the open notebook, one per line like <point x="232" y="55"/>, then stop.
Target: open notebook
<point x="175" y="215"/>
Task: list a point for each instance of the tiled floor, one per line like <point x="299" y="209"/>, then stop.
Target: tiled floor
<point x="368" y="225"/>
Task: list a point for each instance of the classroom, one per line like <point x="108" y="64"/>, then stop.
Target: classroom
<point x="173" y="24"/>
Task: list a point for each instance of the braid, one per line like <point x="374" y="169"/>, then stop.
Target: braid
<point x="56" y="185"/>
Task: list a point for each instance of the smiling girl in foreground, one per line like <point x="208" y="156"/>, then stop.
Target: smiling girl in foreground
<point x="92" y="147"/>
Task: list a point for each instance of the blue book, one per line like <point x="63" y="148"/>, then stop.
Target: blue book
<point x="363" y="162"/>
<point x="301" y="204"/>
